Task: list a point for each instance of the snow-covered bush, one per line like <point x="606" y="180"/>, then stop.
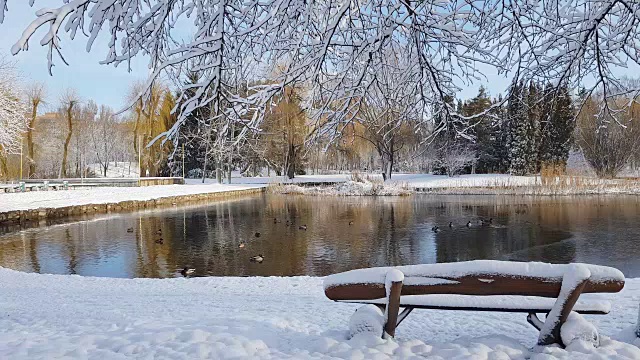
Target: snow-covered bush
<point x="366" y="319"/>
<point x="578" y="328"/>
<point x="349" y="188"/>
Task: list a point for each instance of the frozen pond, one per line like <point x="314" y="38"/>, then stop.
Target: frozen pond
<point x="342" y="233"/>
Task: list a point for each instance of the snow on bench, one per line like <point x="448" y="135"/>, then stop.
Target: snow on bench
<point x="481" y="285"/>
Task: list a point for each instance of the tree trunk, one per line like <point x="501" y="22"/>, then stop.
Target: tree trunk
<point x="387" y="164"/>
<point x="389" y="168"/>
<point x="291" y="162"/>
<point x="135" y="138"/>
<point x="219" y="171"/>
<point x="65" y="153"/>
<point x="4" y="170"/>
<point x="31" y="151"/>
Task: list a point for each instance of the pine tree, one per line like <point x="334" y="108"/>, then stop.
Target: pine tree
<point x="519" y="144"/>
<point x="534" y="111"/>
<point x="481" y="131"/>
<point x="500" y="138"/>
<point x="558" y="130"/>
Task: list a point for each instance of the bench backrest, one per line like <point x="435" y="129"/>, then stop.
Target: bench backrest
<point x="480" y="277"/>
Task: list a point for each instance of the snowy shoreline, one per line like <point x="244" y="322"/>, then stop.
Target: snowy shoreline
<point x="50" y="316"/>
<point x="45" y="204"/>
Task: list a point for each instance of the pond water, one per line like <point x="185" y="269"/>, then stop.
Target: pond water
<point x="341" y="233"/>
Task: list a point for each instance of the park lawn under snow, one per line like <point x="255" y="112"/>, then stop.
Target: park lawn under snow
<point x="61" y="316"/>
<point x="105" y="195"/>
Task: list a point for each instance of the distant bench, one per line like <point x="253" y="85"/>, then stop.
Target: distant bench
<point x="481" y="285"/>
<point x="45" y="185"/>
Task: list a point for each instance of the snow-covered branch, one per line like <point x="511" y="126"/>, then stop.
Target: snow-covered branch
<point x="245" y="52"/>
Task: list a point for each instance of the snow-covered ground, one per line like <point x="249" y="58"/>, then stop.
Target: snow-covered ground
<point x="105" y="195"/>
<point x="118" y="169"/>
<point x="61" y="316"/>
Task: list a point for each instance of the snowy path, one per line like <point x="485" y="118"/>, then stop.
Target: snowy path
<point x="54" y="316"/>
<point x="105" y="195"/>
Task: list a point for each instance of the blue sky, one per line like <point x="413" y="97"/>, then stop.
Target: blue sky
<point x="102" y="83"/>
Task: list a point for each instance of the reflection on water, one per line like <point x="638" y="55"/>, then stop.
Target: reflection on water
<point x="342" y="233"/>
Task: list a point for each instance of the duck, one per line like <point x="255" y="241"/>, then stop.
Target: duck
<point x="159" y="232"/>
<point x="241" y="246"/>
<point x="350" y="222"/>
<point x="435" y="229"/>
<point x="257" y="234"/>
<point x="469" y="224"/>
<point x="160" y="241"/>
<point x="258" y="258"/>
<point x="130" y="230"/>
<point x="486" y="222"/>
<point x="187" y="271"/>
<point x="302" y="227"/>
<point x="450" y="224"/>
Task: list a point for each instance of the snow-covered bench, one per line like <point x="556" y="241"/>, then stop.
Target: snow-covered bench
<point x="481" y="285"/>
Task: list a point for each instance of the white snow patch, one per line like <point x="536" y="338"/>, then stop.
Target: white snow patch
<point x="60" y="316"/>
<point x="366" y="319"/>
<point x="576" y="328"/>
<point x="105" y="195"/>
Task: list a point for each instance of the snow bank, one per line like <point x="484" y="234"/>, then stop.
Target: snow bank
<point x="54" y="316"/>
<point x="105" y="195"/>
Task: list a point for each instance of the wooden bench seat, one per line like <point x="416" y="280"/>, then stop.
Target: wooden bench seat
<point x="481" y="285"/>
<point x="502" y="303"/>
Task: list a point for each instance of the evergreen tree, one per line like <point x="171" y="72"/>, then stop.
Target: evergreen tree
<point x="557" y="136"/>
<point x="482" y="131"/>
<point x="192" y="137"/>
<point x="545" y="121"/>
<point x="534" y="113"/>
<point x="500" y="138"/>
<point x="519" y="144"/>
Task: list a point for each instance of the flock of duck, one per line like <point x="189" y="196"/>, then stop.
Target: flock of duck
<point x="470" y="224"/>
<point x="187" y="271"/>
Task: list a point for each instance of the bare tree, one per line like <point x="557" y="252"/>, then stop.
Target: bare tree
<point x="608" y="148"/>
<point x="456" y="158"/>
<point x="36" y="94"/>
<point x="104" y="143"/>
<point x="392" y="108"/>
<point x="68" y="102"/>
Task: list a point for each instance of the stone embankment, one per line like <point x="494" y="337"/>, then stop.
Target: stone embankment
<point x="18" y="216"/>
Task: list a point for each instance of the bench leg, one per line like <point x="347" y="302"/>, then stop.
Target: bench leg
<point x="550" y="332"/>
<point x="533" y="319"/>
<point x="403" y="315"/>
<point x="392" y="309"/>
